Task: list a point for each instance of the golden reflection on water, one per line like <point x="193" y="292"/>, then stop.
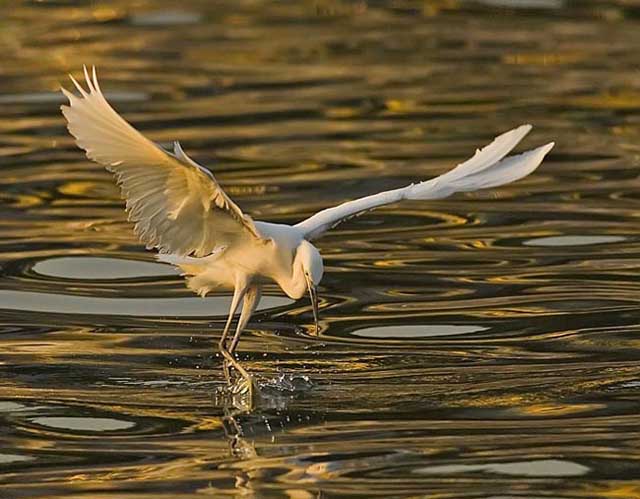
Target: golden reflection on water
<point x="483" y="346"/>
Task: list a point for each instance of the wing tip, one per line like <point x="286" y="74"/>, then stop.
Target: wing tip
<point x="90" y="79"/>
<point x="525" y="126"/>
<point x="68" y="95"/>
<point x="532" y="158"/>
<point x="520" y="131"/>
<point x="544" y="150"/>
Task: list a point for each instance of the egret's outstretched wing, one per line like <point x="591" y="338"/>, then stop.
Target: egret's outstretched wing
<point x="177" y="206"/>
<point x="485" y="169"/>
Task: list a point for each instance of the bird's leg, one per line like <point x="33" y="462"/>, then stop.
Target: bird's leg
<point x="251" y="300"/>
<point x="226" y="370"/>
<point x="238" y="293"/>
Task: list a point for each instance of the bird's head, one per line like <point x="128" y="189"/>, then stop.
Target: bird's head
<point x="309" y="261"/>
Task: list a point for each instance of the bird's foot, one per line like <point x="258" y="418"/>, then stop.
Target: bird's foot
<point x="244" y="392"/>
<point x="244" y="386"/>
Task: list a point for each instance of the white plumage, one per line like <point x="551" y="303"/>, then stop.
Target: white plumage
<point x="179" y="209"/>
<point x="177" y="206"/>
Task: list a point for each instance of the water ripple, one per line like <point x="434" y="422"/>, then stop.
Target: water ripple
<point x="480" y="346"/>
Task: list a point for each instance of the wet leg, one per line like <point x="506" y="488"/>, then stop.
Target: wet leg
<point x="238" y="293"/>
<point x="251" y="300"/>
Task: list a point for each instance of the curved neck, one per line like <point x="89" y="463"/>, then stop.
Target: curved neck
<point x="294" y="285"/>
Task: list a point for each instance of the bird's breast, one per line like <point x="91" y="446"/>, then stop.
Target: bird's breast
<point x="259" y="259"/>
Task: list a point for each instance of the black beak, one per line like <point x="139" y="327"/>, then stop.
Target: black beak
<point x="313" y="294"/>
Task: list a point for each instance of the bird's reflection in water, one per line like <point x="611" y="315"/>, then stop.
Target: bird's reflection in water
<point x="245" y="418"/>
<point x="239" y="446"/>
<point x="273" y="395"/>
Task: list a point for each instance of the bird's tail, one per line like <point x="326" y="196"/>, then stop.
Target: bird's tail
<point x="170" y="258"/>
<point x="194" y="269"/>
<point x="487" y="168"/>
<point x="174" y="259"/>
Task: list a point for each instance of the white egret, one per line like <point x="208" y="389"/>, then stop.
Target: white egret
<point x="179" y="209"/>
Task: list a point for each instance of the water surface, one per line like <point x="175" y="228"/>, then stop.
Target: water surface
<point x="484" y="346"/>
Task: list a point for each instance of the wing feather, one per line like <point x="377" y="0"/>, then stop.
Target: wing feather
<point x="177" y="206"/>
<point x="487" y="168"/>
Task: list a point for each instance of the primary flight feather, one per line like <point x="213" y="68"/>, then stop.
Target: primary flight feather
<point x="177" y="206"/>
<point x="179" y="209"/>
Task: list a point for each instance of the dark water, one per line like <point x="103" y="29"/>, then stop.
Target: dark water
<point x="485" y="346"/>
